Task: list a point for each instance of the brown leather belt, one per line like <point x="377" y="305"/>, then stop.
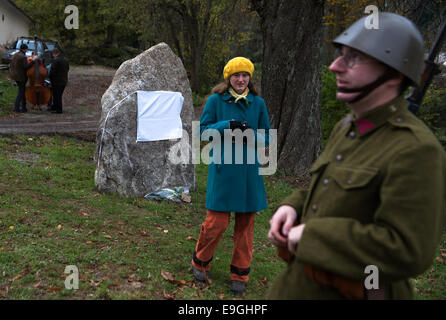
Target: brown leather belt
<point x="349" y="288"/>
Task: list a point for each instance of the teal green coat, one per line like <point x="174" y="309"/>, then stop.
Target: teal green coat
<point x="234" y="186"/>
<point x="377" y="197"/>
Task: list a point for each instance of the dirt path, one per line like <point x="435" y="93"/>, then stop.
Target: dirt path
<point x="81" y="105"/>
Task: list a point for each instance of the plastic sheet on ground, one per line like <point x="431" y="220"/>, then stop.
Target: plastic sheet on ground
<point x="177" y="194"/>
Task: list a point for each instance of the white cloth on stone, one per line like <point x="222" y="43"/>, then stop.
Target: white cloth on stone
<point x="159" y="115"/>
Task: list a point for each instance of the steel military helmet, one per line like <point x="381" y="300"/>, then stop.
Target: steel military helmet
<point x="397" y="43"/>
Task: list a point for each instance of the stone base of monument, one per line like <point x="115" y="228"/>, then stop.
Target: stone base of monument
<point x="128" y="167"/>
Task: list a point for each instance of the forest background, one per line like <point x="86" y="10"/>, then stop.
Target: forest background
<point x="288" y="41"/>
<point x="203" y="33"/>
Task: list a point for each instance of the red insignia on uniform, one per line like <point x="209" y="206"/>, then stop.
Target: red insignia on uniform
<point x="364" y="125"/>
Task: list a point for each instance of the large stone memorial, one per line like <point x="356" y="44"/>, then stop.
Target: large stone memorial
<point x="132" y="168"/>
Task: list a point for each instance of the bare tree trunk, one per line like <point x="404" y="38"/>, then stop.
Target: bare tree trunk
<point x="291" y="77"/>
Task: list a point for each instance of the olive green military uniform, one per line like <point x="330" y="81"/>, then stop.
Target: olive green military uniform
<point x="377" y="197"/>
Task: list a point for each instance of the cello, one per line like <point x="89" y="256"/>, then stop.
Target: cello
<point x="37" y="93"/>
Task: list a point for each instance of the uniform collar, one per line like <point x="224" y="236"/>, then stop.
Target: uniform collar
<point x="227" y="96"/>
<point x="377" y="117"/>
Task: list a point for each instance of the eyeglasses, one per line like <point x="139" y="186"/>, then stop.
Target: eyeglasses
<point x="352" y="58"/>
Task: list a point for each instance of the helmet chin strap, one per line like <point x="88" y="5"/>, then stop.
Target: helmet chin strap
<point x="367" y="89"/>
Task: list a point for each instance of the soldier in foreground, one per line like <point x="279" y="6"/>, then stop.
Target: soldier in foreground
<point x="377" y="195"/>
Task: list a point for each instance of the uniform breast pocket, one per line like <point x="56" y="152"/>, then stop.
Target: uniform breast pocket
<point x="350" y="178"/>
<point x="353" y="193"/>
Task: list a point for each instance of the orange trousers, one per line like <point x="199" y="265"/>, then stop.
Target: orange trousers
<point x="211" y="232"/>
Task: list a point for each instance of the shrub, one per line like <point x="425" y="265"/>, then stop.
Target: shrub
<point x="433" y="113"/>
<point x="197" y="99"/>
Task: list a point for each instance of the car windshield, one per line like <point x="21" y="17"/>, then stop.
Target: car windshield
<point x="30" y="44"/>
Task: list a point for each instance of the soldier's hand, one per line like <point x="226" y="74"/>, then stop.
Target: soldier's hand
<point x="281" y="224"/>
<point x="294" y="237"/>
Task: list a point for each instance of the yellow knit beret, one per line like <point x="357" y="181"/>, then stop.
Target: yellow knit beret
<point x="238" y="64"/>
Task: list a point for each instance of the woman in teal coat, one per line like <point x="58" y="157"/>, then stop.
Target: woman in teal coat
<point x="235" y="116"/>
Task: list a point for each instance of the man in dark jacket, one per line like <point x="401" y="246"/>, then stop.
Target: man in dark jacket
<point x="59" y="79"/>
<point x="19" y="66"/>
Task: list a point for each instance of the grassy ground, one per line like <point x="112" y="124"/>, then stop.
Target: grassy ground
<point x="9" y="93"/>
<point x="51" y="217"/>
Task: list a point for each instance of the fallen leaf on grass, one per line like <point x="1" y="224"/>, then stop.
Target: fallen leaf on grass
<point x="169" y="296"/>
<point x="17" y="277"/>
<point x="11" y="228"/>
<point x="85" y="214"/>
<point x="136" y="285"/>
<point x="59" y="227"/>
<point x="144" y="233"/>
<point x="191" y="239"/>
<point x="132" y="278"/>
<point x="167" y="275"/>
<point x="54" y="289"/>
<point x="96" y="284"/>
<point x="2" y="294"/>
<point x="107" y="236"/>
<point x="88" y="242"/>
<point x="263" y="281"/>
<point x="185" y="198"/>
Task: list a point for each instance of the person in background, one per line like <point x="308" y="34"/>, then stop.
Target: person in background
<point x="377" y="200"/>
<point x="58" y="78"/>
<point x="233" y="106"/>
<point x="18" y="67"/>
<point x="47" y="80"/>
